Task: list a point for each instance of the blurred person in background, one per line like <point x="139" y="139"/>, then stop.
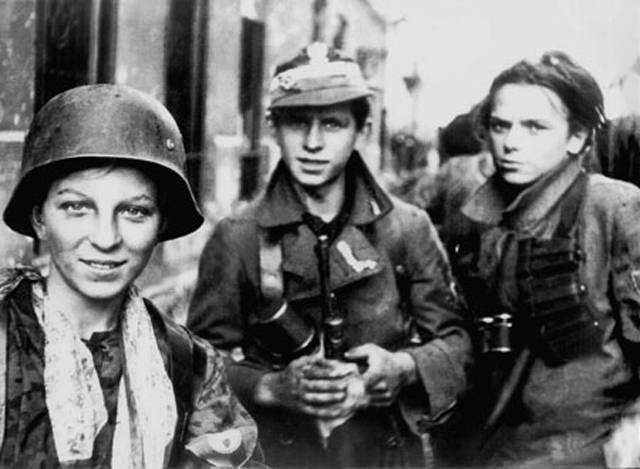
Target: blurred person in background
<point x="93" y="374"/>
<point x="348" y="391"/>
<point x="551" y="272"/>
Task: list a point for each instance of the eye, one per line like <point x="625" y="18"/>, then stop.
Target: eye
<point x="534" y="127"/>
<point x="137" y="212"/>
<point x="75" y="208"/>
<point x="296" y="122"/>
<point x="498" y="127"/>
<point x="332" y="124"/>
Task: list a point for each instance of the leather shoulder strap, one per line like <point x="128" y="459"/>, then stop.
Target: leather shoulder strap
<point x="572" y="203"/>
<point x="186" y="360"/>
<point x="270" y="254"/>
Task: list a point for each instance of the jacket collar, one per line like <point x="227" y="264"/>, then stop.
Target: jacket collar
<point x="281" y="205"/>
<point x="489" y="206"/>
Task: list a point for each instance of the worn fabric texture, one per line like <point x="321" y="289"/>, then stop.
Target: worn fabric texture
<point x="381" y="236"/>
<point x="29" y="437"/>
<point x="562" y="413"/>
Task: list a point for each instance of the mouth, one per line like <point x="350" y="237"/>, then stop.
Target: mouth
<point x="508" y="164"/>
<point x="312" y="161"/>
<point x="312" y="166"/>
<point x="102" y="265"/>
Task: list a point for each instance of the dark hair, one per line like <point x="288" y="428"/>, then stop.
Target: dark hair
<point x="556" y="71"/>
<point x="360" y="109"/>
<point x="459" y="136"/>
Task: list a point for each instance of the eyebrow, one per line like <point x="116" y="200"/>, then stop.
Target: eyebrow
<point x="73" y="191"/>
<point x="135" y="198"/>
<point x="141" y="197"/>
<point x="499" y="119"/>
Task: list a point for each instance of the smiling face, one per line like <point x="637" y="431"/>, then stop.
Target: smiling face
<point x="529" y="133"/>
<point x="100" y="226"/>
<point x="316" y="143"/>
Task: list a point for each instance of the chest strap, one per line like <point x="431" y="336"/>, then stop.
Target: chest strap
<point x="277" y="327"/>
<point x="270" y="254"/>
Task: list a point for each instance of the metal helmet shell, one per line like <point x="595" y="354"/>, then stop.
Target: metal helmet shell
<point x="104" y="124"/>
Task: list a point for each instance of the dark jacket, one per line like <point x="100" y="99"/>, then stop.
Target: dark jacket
<point x="396" y="237"/>
<point x="562" y="412"/>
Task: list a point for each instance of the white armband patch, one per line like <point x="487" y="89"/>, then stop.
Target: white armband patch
<point x="216" y="448"/>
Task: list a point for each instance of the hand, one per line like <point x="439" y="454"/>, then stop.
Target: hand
<point x="314" y="386"/>
<point x="386" y="373"/>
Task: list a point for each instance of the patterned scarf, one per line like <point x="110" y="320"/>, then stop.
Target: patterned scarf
<point x="146" y="403"/>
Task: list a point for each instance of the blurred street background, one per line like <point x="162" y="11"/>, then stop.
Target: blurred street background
<point x="210" y="62"/>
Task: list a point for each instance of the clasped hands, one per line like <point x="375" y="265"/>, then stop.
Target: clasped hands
<point x="332" y="389"/>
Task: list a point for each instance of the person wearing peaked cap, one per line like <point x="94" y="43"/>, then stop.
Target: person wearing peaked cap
<point x="339" y="295"/>
<point x="93" y="374"/>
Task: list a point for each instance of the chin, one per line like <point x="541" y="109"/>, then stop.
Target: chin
<point x="311" y="182"/>
<point x="101" y="291"/>
<point x="517" y="179"/>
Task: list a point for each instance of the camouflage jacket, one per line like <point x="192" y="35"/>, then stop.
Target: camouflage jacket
<point x="206" y="404"/>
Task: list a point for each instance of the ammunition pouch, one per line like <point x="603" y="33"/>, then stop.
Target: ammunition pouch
<point x="555" y="300"/>
<point x="285" y="334"/>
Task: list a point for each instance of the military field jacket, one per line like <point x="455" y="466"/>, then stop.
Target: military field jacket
<point x="382" y="234"/>
<point x="563" y="413"/>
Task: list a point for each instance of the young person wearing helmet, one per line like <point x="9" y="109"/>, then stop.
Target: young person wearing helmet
<point x="345" y="392"/>
<point x="93" y="374"/>
<point x="553" y="276"/>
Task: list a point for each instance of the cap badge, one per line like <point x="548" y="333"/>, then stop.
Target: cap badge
<point x="285" y="81"/>
<point x="318" y="53"/>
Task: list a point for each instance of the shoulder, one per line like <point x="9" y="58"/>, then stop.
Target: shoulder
<point x="10" y="278"/>
<point x="407" y="217"/>
<point x="177" y="342"/>
<point x="235" y="230"/>
<point x="608" y="196"/>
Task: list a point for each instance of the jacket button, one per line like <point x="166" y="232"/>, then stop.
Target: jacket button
<point x="285" y="439"/>
<point x="394" y="441"/>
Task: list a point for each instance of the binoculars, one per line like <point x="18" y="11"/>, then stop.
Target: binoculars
<point x="495" y="333"/>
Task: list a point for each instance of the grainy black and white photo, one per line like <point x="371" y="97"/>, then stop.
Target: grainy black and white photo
<point x="320" y="234"/>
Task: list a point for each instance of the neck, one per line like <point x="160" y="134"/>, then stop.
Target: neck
<point x="86" y="315"/>
<point x="326" y="201"/>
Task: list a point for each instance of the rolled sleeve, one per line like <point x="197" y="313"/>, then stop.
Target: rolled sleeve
<point x="220" y="430"/>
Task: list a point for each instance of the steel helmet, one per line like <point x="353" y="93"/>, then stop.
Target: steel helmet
<point x="114" y="123"/>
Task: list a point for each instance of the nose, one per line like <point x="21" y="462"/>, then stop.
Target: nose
<point x="314" y="140"/>
<point x="513" y="139"/>
<point x="105" y="234"/>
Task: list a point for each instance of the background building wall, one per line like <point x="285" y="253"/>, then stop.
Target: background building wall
<point x="17" y="69"/>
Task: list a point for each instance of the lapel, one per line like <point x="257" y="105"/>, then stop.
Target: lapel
<point x="487" y="204"/>
<point x="351" y="258"/>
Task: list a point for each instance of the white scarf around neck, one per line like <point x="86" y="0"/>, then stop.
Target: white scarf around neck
<point x="146" y="412"/>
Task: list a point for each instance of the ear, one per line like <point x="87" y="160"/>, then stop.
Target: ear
<point x="577" y="141"/>
<point x="365" y="132"/>
<point x="37" y="223"/>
